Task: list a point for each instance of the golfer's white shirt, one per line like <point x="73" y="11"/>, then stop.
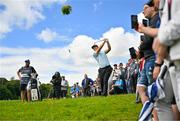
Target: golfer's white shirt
<point x="102" y="59"/>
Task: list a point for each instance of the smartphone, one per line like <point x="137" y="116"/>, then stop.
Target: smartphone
<point x="145" y="22"/>
<point x="132" y="53"/>
<point x="134" y="21"/>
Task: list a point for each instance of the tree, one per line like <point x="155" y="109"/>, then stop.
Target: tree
<point x="45" y="90"/>
<point x="14" y="87"/>
<point x="9" y="89"/>
<point x="3" y="81"/>
<point x="5" y="94"/>
<point x="12" y="78"/>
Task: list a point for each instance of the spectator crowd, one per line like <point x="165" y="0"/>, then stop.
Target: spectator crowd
<point x="152" y="72"/>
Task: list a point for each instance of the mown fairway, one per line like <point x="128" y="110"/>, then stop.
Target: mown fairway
<point x="114" y="108"/>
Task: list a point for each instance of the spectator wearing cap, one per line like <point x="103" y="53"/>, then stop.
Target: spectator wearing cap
<point x="56" y="81"/>
<point x="24" y="74"/>
<point x="127" y="76"/>
<point x="64" y="87"/>
<point x="115" y="73"/>
<point x="77" y="90"/>
<point x="104" y="66"/>
<point x="117" y="86"/>
<point x="122" y="75"/>
<point x="134" y="69"/>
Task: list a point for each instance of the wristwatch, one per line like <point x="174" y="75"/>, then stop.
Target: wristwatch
<point x="158" y="65"/>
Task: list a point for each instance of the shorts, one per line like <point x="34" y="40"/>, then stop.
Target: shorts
<point x="23" y="87"/>
<point x="147" y="73"/>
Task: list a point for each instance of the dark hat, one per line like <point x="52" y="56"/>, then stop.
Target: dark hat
<point x="150" y="3"/>
<point x="115" y="65"/>
<point x="27" y="61"/>
<point x="94" y="46"/>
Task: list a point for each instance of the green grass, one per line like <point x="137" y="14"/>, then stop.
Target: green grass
<point x="114" y="108"/>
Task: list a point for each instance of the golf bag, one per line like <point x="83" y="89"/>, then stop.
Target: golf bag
<point x="33" y="86"/>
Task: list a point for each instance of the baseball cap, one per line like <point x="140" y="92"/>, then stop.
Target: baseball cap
<point x="94" y="46"/>
<point x="27" y="61"/>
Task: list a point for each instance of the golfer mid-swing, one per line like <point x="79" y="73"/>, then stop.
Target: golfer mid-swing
<point x="104" y="66"/>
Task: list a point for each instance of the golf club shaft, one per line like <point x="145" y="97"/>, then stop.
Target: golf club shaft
<point x="99" y="41"/>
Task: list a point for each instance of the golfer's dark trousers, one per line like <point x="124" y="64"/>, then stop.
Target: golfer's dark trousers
<point x="104" y="74"/>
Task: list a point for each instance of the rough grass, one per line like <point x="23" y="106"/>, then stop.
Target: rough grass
<point x="114" y="108"/>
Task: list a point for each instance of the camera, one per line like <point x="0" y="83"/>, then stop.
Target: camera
<point x="132" y="53"/>
<point x="134" y="21"/>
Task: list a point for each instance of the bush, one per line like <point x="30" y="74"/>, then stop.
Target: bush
<point x="3" y="81"/>
<point x="5" y="94"/>
<point x="45" y="90"/>
<point x="14" y="87"/>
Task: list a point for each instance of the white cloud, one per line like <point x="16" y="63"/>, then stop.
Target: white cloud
<point x="22" y="13"/>
<point x="75" y="63"/>
<point x="47" y="35"/>
<point x="121" y="41"/>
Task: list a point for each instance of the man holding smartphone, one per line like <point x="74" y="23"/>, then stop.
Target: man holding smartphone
<point x="146" y="47"/>
<point x="104" y="66"/>
<point x="146" y="79"/>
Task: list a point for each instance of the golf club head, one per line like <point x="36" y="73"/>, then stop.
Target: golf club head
<point x="100" y="40"/>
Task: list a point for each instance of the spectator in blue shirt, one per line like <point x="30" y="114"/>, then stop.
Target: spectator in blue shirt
<point x="117" y="87"/>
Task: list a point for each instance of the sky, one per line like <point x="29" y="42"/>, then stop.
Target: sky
<point x="37" y="30"/>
